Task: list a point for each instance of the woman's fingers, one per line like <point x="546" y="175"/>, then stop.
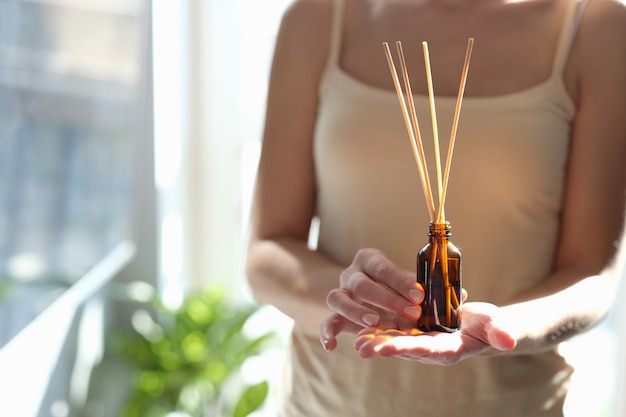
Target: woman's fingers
<point x="433" y="348"/>
<point x="493" y="333"/>
<point x="341" y="302"/>
<point x="380" y="269"/>
<point x="332" y="326"/>
<point x="365" y="315"/>
<point x="481" y="329"/>
<point x="374" y="280"/>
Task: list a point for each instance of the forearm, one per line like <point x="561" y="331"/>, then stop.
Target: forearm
<point x="544" y="322"/>
<point x="285" y="273"/>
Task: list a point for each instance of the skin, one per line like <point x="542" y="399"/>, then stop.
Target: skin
<point x="376" y="300"/>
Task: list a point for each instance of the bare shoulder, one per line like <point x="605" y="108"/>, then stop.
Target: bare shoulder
<point x="304" y="7"/>
<point x="605" y="20"/>
<point x="600" y="50"/>
<point x="307" y="17"/>
<point x="610" y="6"/>
<point x="304" y="34"/>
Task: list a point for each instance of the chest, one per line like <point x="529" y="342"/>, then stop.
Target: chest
<point x="515" y="44"/>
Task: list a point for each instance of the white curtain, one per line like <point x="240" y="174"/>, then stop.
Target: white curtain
<point x="212" y="61"/>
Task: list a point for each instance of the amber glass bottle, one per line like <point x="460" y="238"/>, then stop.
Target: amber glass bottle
<point x="439" y="272"/>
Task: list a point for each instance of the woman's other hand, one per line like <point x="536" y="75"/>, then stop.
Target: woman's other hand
<point x="480" y="331"/>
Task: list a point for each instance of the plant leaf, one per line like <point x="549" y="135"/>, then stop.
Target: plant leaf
<point x="251" y="399"/>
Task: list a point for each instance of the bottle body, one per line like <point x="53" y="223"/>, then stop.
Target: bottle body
<point x="439" y="273"/>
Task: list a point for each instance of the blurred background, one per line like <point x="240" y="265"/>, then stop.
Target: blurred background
<point x="129" y="136"/>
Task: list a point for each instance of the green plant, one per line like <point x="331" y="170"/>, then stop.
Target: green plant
<point x="184" y="358"/>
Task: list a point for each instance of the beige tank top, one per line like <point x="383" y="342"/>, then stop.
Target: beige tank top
<point x="504" y="204"/>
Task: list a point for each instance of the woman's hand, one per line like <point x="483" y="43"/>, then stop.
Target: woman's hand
<point x="373" y="292"/>
<point x="480" y="331"/>
<point x="379" y="302"/>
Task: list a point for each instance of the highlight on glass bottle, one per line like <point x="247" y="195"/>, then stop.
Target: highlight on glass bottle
<point x="439" y="273"/>
<point x="439" y="261"/>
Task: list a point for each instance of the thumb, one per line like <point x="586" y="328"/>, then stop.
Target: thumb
<point x="500" y="337"/>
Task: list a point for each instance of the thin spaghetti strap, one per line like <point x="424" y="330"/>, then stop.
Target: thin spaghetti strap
<point x="571" y="21"/>
<point x="335" y="42"/>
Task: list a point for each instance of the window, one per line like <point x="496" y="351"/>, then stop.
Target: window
<point x="70" y="76"/>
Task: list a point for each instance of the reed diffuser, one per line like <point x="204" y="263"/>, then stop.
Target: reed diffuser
<point x="439" y="261"/>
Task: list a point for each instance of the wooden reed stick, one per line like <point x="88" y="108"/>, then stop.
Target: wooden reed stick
<point x="443" y="258"/>
<point x="417" y="142"/>
<point x="455" y="124"/>
<point x="433" y="115"/>
<point x="410" y="130"/>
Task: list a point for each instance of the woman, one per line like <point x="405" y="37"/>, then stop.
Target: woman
<point x="535" y="199"/>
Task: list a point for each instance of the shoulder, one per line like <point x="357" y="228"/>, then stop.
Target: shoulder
<point x="307" y="16"/>
<point x="600" y="48"/>
<point x="303" y="43"/>
<point x="604" y="20"/>
<point x="304" y="33"/>
<point x="611" y="6"/>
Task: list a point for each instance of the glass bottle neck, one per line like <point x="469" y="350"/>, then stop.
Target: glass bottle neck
<point x="439" y="230"/>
